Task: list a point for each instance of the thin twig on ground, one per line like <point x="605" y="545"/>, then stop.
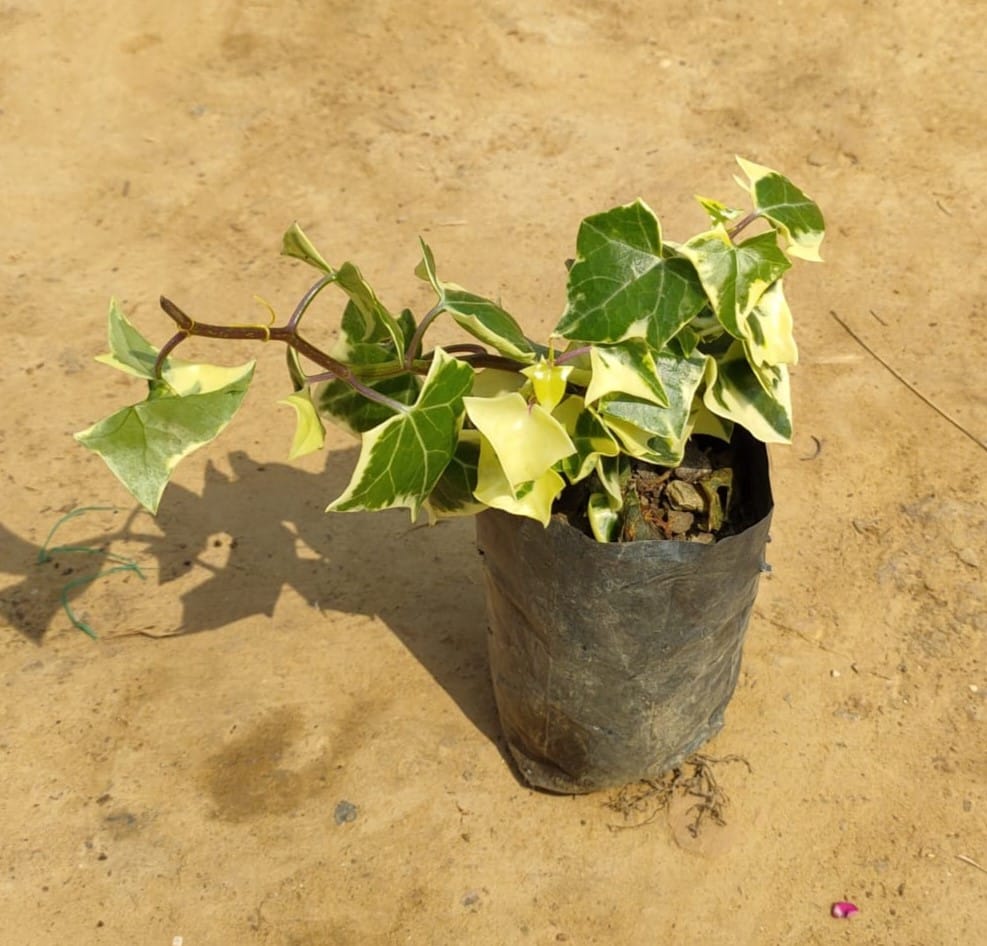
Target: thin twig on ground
<point x="911" y="387"/>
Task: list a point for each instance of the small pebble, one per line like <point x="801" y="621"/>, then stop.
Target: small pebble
<point x="834" y="673"/>
<point x="345" y="812"/>
<point x="843" y="909"/>
<point x="969" y="557"/>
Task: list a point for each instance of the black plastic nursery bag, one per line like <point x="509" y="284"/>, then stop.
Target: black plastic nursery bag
<point x="614" y="662"/>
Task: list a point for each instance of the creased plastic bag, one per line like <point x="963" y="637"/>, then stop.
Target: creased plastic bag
<point x="614" y="662"/>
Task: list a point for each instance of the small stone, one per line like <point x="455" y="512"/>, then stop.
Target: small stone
<point x="471" y="899"/>
<point x="834" y="673"/>
<point x="345" y="812"/>
<point x="680" y="521"/>
<point x="684" y="496"/>
<point x="694" y="466"/>
<point x="969" y="557"/>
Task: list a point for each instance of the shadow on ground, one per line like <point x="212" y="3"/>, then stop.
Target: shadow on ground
<point x="262" y="529"/>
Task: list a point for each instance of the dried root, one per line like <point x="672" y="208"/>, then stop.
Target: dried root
<point x="640" y="803"/>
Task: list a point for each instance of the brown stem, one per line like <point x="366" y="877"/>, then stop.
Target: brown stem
<point x="285" y="334"/>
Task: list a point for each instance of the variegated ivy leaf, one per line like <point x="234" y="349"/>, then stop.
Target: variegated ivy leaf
<point x="604" y="518"/>
<point x="704" y="421"/>
<point x="353" y="334"/>
<point x="296" y="244"/>
<point x="652" y="433"/>
<point x="628" y="368"/>
<point x="533" y="498"/>
<point x="453" y="493"/>
<point x="133" y="354"/>
<point x="789" y="210"/>
<point x="491" y="382"/>
<point x="526" y="438"/>
<point x="718" y="212"/>
<point x="588" y="434"/>
<point x="548" y="381"/>
<point x="735" y="276"/>
<point x="480" y="317"/>
<point x="191" y="404"/>
<point x="310" y="435"/>
<point x="622" y="284"/>
<point x="403" y="458"/>
<point x="761" y="402"/>
<point x="770" y="339"/>
<point x="129" y="351"/>
<point x="376" y="318"/>
<point x="344" y="405"/>
<point x="368" y="318"/>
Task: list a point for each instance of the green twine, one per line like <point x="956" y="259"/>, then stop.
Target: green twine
<point x="124" y="564"/>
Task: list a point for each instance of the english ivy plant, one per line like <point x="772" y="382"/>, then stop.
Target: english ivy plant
<point x="659" y="340"/>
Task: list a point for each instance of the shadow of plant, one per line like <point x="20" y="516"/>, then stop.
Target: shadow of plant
<point x="424" y="584"/>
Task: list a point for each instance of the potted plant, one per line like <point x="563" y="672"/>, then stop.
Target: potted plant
<point x="618" y="468"/>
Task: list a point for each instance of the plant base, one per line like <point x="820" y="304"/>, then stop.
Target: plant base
<point x="614" y="662"/>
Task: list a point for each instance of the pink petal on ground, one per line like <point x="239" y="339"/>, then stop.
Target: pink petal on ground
<point x="843" y="909"/>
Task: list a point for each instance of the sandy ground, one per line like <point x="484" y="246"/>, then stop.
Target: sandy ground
<point x="190" y="787"/>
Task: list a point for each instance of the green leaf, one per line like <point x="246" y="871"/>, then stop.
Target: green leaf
<point x="628" y="368"/>
<point x="735" y="276"/>
<point x="296" y="244"/>
<point x="796" y="216"/>
<point x="588" y="434"/>
<point x="143" y="444"/>
<point x="377" y="322"/>
<point x="623" y="286"/>
<point x="761" y="402"/>
<point x="453" y="493"/>
<point x="310" y="435"/>
<point x="480" y="317"/>
<point x="356" y="413"/>
<point x="652" y="433"/>
<point x="129" y="350"/>
<point x="526" y="438"/>
<point x="402" y="459"/>
<point x="347" y="407"/>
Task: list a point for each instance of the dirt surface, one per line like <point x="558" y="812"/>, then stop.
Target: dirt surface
<point x="315" y="759"/>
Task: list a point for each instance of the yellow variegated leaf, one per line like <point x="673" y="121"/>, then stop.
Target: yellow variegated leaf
<point x="490" y="382"/>
<point x="548" y="382"/>
<point x="789" y="210"/>
<point x="612" y="472"/>
<point x="704" y="421"/>
<point x="310" y="435"/>
<point x="761" y="402"/>
<point x="636" y="441"/>
<point x="185" y="379"/>
<point x="589" y="435"/>
<point x="628" y="368"/>
<point x="526" y="439"/>
<point x="770" y="339"/>
<point x="533" y="499"/>
<point x="604" y="517"/>
<point x="735" y="276"/>
<point x="717" y="210"/>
